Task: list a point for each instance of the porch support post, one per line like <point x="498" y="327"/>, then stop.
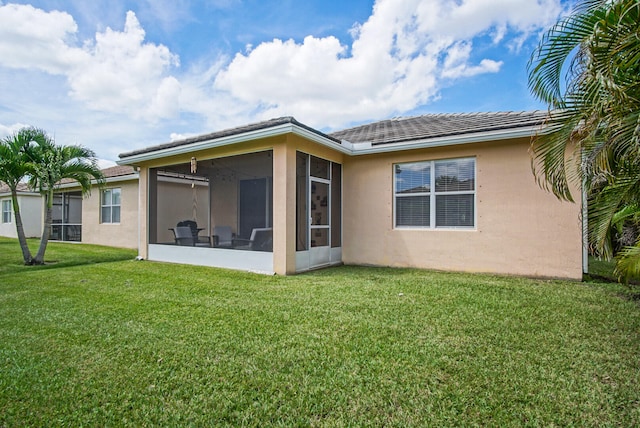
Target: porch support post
<point x="284" y="208"/>
<point x="146" y="184"/>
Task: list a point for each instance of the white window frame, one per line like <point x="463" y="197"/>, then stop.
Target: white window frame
<point x="111" y="205"/>
<point x="432" y="194"/>
<point x="7" y="215"/>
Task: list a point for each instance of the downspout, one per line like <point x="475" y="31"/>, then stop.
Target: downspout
<point x="585" y="221"/>
<point x="139" y="217"/>
<point x="585" y="233"/>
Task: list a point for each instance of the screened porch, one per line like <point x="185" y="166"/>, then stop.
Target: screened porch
<point x="216" y="212"/>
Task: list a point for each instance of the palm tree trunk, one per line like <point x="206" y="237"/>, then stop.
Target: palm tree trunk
<point x="26" y="254"/>
<point x="46" y="230"/>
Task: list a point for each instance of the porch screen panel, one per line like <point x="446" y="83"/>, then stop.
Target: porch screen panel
<point x="254" y="205"/>
<point x="336" y="205"/>
<point x="319" y="168"/>
<point x="302" y="215"/>
<point x="74" y="214"/>
<point x="56" y="209"/>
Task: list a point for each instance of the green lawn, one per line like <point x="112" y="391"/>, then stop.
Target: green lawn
<point x="99" y="339"/>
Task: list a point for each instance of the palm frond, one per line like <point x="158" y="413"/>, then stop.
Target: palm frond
<point x="628" y="263"/>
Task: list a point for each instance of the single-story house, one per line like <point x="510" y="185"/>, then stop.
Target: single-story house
<point x="31" y="209"/>
<point x="437" y="191"/>
<point x="107" y="216"/>
<point x="94" y="219"/>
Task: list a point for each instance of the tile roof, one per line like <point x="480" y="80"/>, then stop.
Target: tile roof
<point x="437" y="125"/>
<point x="22" y="187"/>
<point x="118" y="171"/>
<point x="383" y="132"/>
<point x="228" y="133"/>
<point x="114" y="171"/>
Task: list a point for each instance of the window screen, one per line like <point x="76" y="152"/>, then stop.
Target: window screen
<point x="110" y="208"/>
<point x="435" y="194"/>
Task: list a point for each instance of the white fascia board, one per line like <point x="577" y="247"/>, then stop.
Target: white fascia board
<point x="233" y="139"/>
<point x="348" y="148"/>
<point x="480" y="137"/>
<point x="19" y="193"/>
<point x="321" y="140"/>
<point x="108" y="180"/>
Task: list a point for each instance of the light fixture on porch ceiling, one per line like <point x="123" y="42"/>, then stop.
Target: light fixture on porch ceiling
<point x="194" y="169"/>
<point x="194" y="165"/>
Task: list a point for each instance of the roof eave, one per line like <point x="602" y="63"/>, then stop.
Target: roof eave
<point x="107" y="180"/>
<point x="345" y="148"/>
<point x="20" y="193"/>
<point x="233" y="139"/>
<point x="477" y="137"/>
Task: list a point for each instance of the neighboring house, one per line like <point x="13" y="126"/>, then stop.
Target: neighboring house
<point x="107" y="216"/>
<point x="31" y="210"/>
<point x="447" y="191"/>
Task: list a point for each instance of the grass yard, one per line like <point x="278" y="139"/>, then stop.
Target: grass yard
<point x="101" y="340"/>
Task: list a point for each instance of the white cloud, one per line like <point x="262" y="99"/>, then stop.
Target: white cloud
<point x="116" y="72"/>
<point x="33" y="38"/>
<point x="6" y="131"/>
<point x="123" y="73"/>
<point x="399" y="59"/>
<point x="117" y="89"/>
<point x="105" y="163"/>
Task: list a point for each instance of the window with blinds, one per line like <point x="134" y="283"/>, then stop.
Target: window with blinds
<point x="435" y="194"/>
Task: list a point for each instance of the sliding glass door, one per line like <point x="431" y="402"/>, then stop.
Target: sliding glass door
<point x="318" y="212"/>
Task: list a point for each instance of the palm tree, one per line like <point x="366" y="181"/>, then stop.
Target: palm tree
<point x="49" y="166"/>
<point x="15" y="155"/>
<point x="587" y="69"/>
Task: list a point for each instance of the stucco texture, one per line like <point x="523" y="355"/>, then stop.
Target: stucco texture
<point x="31" y="211"/>
<point x="520" y="228"/>
<point x="123" y="234"/>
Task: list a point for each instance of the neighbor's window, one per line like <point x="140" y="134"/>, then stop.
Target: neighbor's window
<point x="6" y="211"/>
<point x="110" y="208"/>
<point x="435" y="194"/>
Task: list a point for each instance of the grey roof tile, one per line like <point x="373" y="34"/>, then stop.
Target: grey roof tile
<point x="114" y="171"/>
<point x="118" y="171"/>
<point x="382" y="132"/>
<point x="227" y="133"/>
<point x="22" y="187"/>
<point x="437" y="125"/>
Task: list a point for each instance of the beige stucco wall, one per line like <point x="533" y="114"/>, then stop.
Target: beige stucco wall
<point x="31" y="211"/>
<point x="520" y="229"/>
<point x="123" y="234"/>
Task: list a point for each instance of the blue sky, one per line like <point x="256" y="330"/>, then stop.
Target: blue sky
<point x="116" y="75"/>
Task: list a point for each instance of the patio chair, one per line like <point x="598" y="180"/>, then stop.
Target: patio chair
<point x="223" y="237"/>
<point x="199" y="241"/>
<point x="261" y="240"/>
<point x="183" y="236"/>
